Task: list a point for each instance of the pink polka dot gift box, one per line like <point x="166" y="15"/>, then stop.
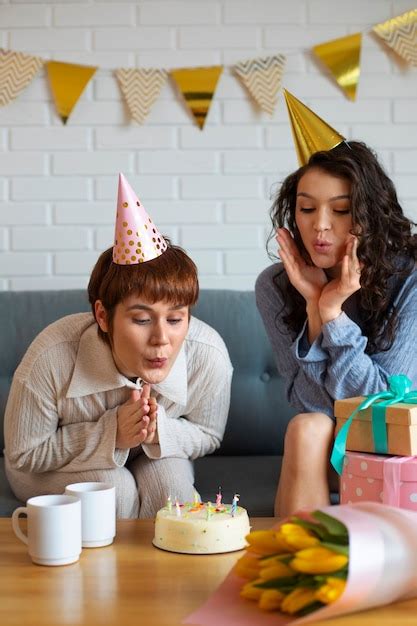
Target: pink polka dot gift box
<point x="400" y="420"/>
<point x="390" y="480"/>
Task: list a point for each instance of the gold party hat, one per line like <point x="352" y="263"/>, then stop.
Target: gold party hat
<point x="310" y="133"/>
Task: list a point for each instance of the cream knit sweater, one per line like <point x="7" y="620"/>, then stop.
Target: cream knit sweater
<point x="62" y="408"/>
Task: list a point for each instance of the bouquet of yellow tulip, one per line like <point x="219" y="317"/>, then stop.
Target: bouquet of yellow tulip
<point x="297" y="568"/>
<point x="314" y="566"/>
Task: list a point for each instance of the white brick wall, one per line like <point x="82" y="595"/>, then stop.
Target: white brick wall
<point x="207" y="190"/>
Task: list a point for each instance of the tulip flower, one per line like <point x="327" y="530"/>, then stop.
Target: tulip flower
<point x="296" y="537"/>
<point x="267" y="561"/>
<point x="247" y="567"/>
<point x="279" y="570"/>
<point x="250" y="592"/>
<point x="331" y="590"/>
<point x="265" y="542"/>
<point x="318" y="560"/>
<point x="296" y="567"/>
<point x="297" y="600"/>
<point x="270" y="600"/>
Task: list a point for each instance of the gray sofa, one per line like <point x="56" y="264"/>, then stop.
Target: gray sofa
<point x="248" y="461"/>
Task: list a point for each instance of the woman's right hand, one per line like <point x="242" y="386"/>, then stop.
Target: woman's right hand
<point x="133" y="420"/>
<point x="309" y="280"/>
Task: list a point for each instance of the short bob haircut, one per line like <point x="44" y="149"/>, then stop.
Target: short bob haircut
<point x="171" y="277"/>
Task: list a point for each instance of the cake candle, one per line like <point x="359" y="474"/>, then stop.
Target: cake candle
<point x="169" y="504"/>
<point x="178" y="509"/>
<point x="209" y="510"/>
<point x="234" y="504"/>
<point x="196" y="498"/>
<point x="219" y="498"/>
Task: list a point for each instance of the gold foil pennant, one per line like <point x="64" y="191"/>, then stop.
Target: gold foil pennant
<point x="341" y="57"/>
<point x="67" y="81"/>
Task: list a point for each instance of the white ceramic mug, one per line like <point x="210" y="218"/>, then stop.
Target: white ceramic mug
<point x="98" y="512"/>
<point x="53" y="529"/>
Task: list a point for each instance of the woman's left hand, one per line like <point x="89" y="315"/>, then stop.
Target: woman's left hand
<point x="152" y="428"/>
<point x="339" y="289"/>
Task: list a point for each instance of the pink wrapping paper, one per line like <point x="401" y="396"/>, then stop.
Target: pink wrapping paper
<point x="382" y="569"/>
<point x="391" y="480"/>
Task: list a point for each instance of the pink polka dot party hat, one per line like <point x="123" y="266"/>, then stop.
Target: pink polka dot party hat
<point x="136" y="238"/>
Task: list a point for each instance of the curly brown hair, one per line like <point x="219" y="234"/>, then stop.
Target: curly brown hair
<point x="387" y="245"/>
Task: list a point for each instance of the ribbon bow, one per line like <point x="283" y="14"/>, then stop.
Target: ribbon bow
<point x="399" y="391"/>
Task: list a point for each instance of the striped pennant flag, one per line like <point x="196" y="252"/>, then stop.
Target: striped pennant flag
<point x="17" y="70"/>
<point x="141" y="88"/>
<point x="198" y="85"/>
<point x="262" y="78"/>
<point x="400" y="34"/>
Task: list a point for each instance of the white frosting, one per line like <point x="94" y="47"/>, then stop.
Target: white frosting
<point x="198" y="532"/>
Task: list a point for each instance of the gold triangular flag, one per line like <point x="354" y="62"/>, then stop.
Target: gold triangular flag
<point x="341" y="56"/>
<point x="309" y="131"/>
<point x="17" y="70"/>
<point x="262" y="78"/>
<point x="400" y="34"/>
<point x="198" y="85"/>
<point x="67" y="81"/>
<point x="141" y="88"/>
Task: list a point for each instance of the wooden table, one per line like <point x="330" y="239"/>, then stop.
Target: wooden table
<point x="130" y="583"/>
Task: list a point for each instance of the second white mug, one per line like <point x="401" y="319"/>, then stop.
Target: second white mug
<point x="98" y="512"/>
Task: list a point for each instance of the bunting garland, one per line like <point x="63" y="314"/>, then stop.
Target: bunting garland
<point x="141" y="88"/>
<point x="198" y="85"/>
<point x="341" y="56"/>
<point x="262" y="78"/>
<point x="68" y="81"/>
<point x="17" y="70"/>
<point x="400" y="34"/>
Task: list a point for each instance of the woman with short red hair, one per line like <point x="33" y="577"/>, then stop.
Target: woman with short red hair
<point x="130" y="394"/>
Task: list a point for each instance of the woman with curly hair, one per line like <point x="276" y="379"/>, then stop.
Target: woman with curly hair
<point x="341" y="308"/>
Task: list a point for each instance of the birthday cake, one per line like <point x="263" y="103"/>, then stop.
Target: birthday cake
<point x="201" y="528"/>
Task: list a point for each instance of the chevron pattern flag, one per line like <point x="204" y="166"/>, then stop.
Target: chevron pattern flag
<point x="17" y="70"/>
<point x="141" y="89"/>
<point x="400" y="34"/>
<point x="262" y="78"/>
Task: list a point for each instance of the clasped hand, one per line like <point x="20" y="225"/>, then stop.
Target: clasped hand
<point x="311" y="281"/>
<point x="136" y="419"/>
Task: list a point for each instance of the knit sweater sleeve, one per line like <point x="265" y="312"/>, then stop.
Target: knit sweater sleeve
<point x="303" y="377"/>
<point x="37" y="440"/>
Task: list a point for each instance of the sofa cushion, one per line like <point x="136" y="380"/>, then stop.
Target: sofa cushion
<point x="259" y="411"/>
<point x="22" y="316"/>
<point x="8" y="502"/>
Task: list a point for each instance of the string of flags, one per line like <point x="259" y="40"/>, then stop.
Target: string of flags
<point x="261" y="77"/>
